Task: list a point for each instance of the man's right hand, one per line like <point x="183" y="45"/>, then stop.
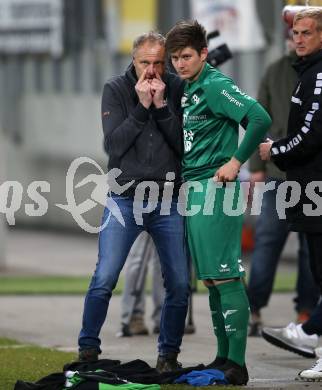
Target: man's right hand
<point x="265" y="150"/>
<point x="143" y="90"/>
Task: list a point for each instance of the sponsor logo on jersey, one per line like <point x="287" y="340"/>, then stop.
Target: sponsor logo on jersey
<point x="188" y="140"/>
<point x="197" y="118"/>
<point x="195" y="99"/>
<point x="184" y="100"/>
<point x="232" y="99"/>
<point x="235" y="88"/>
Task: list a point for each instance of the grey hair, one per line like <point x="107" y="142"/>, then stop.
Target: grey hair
<point x="151" y="36"/>
<point x="312" y="13"/>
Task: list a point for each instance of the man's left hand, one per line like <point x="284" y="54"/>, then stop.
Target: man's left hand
<point x="228" y="172"/>
<point x="265" y="150"/>
<point x="157" y="89"/>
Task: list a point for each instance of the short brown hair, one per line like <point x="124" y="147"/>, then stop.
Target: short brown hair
<point x="312" y="13"/>
<point x="151" y="36"/>
<point x="186" y="33"/>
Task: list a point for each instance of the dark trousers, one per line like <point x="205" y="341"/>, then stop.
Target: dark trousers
<point x="270" y="236"/>
<point x="314" y="240"/>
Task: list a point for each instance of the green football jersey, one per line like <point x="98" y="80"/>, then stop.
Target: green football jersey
<point x="213" y="108"/>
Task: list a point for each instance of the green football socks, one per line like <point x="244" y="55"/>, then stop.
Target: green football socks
<point x="218" y="322"/>
<point x="235" y="313"/>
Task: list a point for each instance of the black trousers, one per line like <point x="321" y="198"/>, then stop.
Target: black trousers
<point x="314" y="240"/>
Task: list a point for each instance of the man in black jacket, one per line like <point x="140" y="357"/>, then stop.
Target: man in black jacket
<point x="271" y="232"/>
<point x="142" y="136"/>
<point x="300" y="155"/>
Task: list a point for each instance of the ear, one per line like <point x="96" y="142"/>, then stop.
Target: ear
<point x="204" y="54"/>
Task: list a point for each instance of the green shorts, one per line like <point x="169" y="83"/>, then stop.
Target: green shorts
<point x="214" y="232"/>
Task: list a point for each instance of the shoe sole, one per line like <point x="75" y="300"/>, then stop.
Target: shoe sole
<point x="282" y="344"/>
<point x="310" y="379"/>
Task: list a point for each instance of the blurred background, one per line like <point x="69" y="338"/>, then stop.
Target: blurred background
<point x="55" y="56"/>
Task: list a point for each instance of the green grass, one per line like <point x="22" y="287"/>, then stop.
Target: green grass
<point x="43" y="284"/>
<point x="59" y="285"/>
<point x="56" y="285"/>
<point x="30" y="363"/>
<point x="7" y="342"/>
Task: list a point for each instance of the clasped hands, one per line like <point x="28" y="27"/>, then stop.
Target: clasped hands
<point x="150" y="90"/>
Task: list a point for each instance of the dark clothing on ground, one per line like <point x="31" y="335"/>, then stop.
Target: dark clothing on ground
<point x="136" y="371"/>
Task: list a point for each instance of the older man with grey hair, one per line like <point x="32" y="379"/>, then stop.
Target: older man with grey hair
<point x="143" y="137"/>
<point x="300" y="155"/>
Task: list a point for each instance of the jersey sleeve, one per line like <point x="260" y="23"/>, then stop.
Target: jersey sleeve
<point x="225" y="99"/>
<point x="258" y="123"/>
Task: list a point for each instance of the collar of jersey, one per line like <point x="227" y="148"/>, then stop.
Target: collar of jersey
<point x="202" y="76"/>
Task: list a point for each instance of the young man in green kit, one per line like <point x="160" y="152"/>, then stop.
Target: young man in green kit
<point x="213" y="107"/>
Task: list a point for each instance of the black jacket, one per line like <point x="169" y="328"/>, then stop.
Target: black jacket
<point x="144" y="144"/>
<point x="300" y="153"/>
<point x="274" y="95"/>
